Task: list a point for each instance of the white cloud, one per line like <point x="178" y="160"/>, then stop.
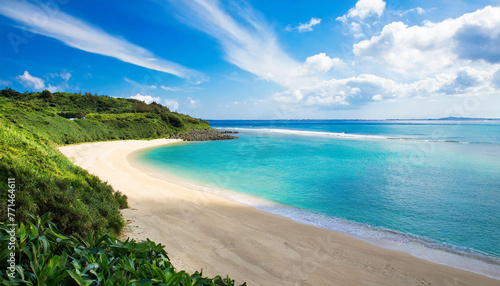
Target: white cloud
<point x="167" y="88"/>
<point x="357" y="20"/>
<point x="367" y="88"/>
<point x="28" y="80"/>
<point x="146" y="98"/>
<point x="172" y="104"/>
<point x="31" y="81"/>
<point x="419" y="51"/>
<point x="81" y="35"/>
<point x="249" y="42"/>
<point x="419" y="11"/>
<point x="305" y="27"/>
<point x="367" y="8"/>
<point x="65" y="75"/>
<point x="318" y="64"/>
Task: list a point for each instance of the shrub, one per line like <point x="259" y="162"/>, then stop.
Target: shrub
<point x="46" y="94"/>
<point x="175" y="121"/>
<point x="8" y="92"/>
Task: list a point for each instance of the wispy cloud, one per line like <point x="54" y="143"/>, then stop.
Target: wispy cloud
<point x="168" y="88"/>
<point x="192" y="103"/>
<point x="248" y="41"/>
<point x="139" y="85"/>
<point x="84" y="36"/>
<point x="418" y="10"/>
<point x="4" y="82"/>
<point x="305" y="27"/>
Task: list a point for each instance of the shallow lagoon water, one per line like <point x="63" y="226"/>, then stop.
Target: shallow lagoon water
<point x="426" y="185"/>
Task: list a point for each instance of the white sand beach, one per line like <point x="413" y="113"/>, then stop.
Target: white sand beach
<point x="202" y="230"/>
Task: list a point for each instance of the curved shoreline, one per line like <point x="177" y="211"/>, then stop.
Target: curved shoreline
<point x="423" y="248"/>
<point x="202" y="230"/>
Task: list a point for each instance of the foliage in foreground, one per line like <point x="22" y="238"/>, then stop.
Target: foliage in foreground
<point x="44" y="256"/>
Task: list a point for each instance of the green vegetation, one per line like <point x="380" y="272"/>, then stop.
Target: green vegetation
<point x="46" y="257"/>
<point x="106" y="118"/>
<point x="32" y="125"/>
<point x="47" y="181"/>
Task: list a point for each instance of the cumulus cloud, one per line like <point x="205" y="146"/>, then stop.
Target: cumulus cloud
<point x="305" y="27"/>
<point x="31" y="81"/>
<point x="365" y="88"/>
<point x="469" y="80"/>
<point x="27" y="80"/>
<point x="43" y="20"/>
<point x="364" y="9"/>
<point x="435" y="47"/>
<point x="146" y="98"/>
<point x="356" y="19"/>
<point x="317" y="64"/>
<point x="173" y="104"/>
<point x="479" y="41"/>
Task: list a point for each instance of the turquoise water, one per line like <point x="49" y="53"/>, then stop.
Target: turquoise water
<point x="431" y="183"/>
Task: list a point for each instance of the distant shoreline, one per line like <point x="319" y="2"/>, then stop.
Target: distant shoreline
<point x="241" y="241"/>
<point x="389" y="119"/>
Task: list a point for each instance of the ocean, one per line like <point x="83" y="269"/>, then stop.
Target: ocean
<point x="427" y="187"/>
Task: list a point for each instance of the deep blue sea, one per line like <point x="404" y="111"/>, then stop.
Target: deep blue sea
<point x="429" y="187"/>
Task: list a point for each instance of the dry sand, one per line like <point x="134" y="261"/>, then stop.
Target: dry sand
<point x="202" y="230"/>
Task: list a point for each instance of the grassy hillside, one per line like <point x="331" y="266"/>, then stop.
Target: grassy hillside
<point x="107" y="118"/>
<point x="47" y="181"/>
<point x="32" y="125"/>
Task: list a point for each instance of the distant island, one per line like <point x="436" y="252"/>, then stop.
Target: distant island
<point x="464" y="118"/>
<point x="449" y="118"/>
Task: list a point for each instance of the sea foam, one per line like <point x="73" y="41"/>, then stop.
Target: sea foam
<point x="342" y="135"/>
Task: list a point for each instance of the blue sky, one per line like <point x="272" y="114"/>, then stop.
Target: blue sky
<point x="368" y="59"/>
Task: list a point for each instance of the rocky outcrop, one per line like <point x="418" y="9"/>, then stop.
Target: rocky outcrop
<point x="205" y="135"/>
